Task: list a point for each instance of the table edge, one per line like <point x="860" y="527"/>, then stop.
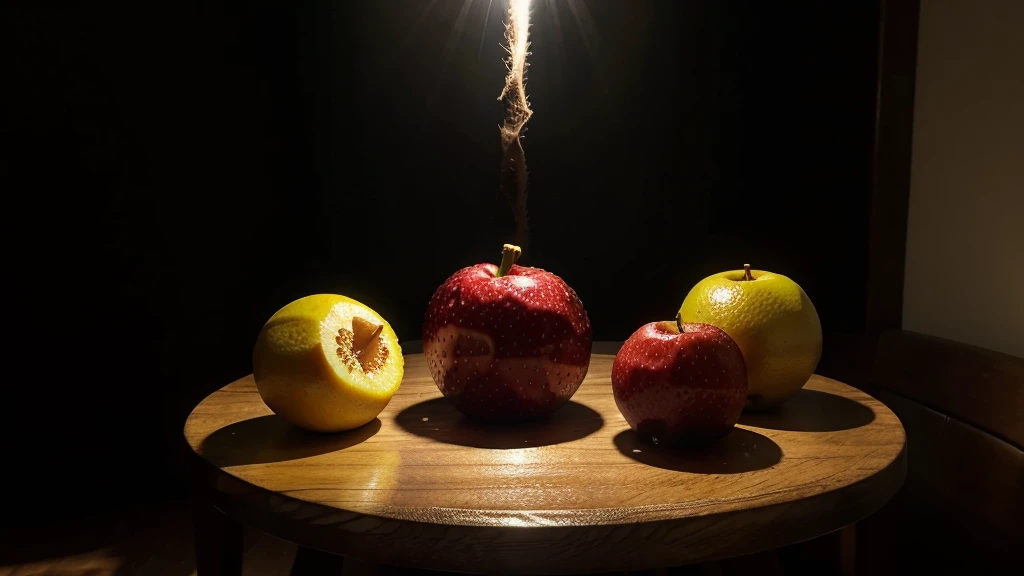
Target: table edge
<point x="621" y="516"/>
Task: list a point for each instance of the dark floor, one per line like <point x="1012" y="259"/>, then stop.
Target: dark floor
<point x="156" y="540"/>
<point x="152" y="541"/>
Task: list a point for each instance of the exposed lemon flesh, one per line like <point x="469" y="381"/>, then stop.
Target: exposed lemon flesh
<point x="327" y="363"/>
<point x="358" y="344"/>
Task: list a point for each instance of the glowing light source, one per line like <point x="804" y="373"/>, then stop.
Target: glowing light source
<point x="517" y="37"/>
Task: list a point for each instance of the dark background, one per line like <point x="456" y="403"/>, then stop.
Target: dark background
<point x="173" y="174"/>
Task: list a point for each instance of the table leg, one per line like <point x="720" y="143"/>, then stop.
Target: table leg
<point x="848" y="550"/>
<point x="218" y="541"/>
<point x="711" y="568"/>
<point x="309" y="562"/>
<point x="765" y="563"/>
<point x="703" y="569"/>
<point x="357" y="567"/>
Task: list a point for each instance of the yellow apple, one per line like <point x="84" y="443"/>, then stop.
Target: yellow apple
<point x="327" y="363"/>
<point x="773" y="322"/>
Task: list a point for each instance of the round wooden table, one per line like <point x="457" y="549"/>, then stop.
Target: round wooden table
<point x="423" y="487"/>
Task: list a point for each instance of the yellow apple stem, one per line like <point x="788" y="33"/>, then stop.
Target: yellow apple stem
<point x="746" y="272"/>
<point x="509" y="254"/>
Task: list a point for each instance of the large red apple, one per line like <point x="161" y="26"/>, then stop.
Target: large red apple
<point x="680" y="384"/>
<point x="508" y="342"/>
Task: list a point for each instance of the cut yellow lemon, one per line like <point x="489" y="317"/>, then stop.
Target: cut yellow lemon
<point x="327" y="363"/>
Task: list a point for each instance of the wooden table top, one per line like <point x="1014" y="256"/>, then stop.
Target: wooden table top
<point x="422" y="486"/>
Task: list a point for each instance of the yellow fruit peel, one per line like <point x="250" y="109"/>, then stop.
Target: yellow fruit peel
<point x="771" y="319"/>
<point x="305" y="375"/>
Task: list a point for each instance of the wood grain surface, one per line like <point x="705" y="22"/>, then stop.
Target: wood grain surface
<point x="422" y="486"/>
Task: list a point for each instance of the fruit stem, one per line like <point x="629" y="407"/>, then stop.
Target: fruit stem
<point x="376" y="333"/>
<point x="679" y="321"/>
<point x="509" y="254"/>
<point x="746" y="272"/>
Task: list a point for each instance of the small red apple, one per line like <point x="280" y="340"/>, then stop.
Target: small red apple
<point x="506" y="343"/>
<point x="680" y="384"/>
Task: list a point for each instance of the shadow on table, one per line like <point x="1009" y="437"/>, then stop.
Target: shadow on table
<point x="812" y="411"/>
<point x="269" y="439"/>
<point x="438" y="420"/>
<point x="739" y="451"/>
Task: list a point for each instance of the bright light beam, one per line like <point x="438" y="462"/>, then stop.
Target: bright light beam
<point x="517" y="36"/>
<point x="517" y="113"/>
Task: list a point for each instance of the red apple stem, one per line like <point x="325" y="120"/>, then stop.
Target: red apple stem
<point x="509" y="254"/>
<point x="746" y="272"/>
